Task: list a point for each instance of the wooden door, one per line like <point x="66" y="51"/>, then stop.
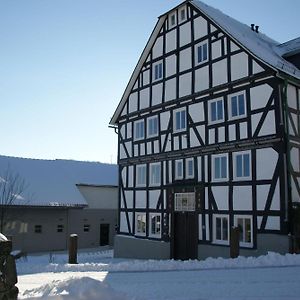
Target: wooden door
<point x="104" y="234"/>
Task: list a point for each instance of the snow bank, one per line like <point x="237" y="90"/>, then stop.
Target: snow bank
<point x="98" y="262"/>
<point x="76" y="289"/>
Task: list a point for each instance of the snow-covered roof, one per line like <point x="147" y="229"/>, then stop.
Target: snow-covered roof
<point x="261" y="46"/>
<point x="289" y="48"/>
<point x="53" y="182"/>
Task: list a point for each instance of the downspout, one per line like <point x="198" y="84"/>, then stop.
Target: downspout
<point x="288" y="213"/>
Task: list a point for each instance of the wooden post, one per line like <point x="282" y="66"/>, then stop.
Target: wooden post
<point x="234" y="242"/>
<point x="73" y="249"/>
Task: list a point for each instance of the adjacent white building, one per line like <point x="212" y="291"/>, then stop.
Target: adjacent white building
<point x="62" y="197"/>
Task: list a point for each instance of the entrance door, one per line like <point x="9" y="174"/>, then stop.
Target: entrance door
<point x="185" y="240"/>
<point x="104" y="234"/>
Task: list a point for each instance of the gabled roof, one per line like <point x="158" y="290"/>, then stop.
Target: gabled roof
<point x="53" y="182"/>
<point x="289" y="48"/>
<point x="261" y="46"/>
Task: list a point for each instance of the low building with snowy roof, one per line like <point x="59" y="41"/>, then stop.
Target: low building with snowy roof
<point x="60" y="197"/>
<point x="209" y="139"/>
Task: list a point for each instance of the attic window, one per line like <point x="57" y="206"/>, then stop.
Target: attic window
<point x="172" y="20"/>
<point x="182" y="14"/>
<point x="38" y="228"/>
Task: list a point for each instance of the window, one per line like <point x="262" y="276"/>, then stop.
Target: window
<point x="140" y="224"/>
<point x="172" y="20"/>
<point x="155" y="174"/>
<point x="86" y="227"/>
<point x="216" y="111"/>
<point x="182" y="14"/>
<point x="179" y="169"/>
<point x="185" y="202"/>
<point x="139" y="130"/>
<point x="244" y="223"/>
<point x="221" y="229"/>
<point x="189" y="169"/>
<point x="155" y="225"/>
<point x="60" y="228"/>
<point x="141" y="175"/>
<point x="219" y="165"/>
<point x="202" y="53"/>
<point x="242" y="168"/>
<point x="152" y="126"/>
<point x="179" y="119"/>
<point x="237" y="106"/>
<point x="158" y="71"/>
<point x="38" y="228"/>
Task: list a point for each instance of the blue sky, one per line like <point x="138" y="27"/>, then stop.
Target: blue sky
<point x="64" y="65"/>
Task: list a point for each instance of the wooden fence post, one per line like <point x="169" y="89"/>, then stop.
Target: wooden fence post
<point x="234" y="242"/>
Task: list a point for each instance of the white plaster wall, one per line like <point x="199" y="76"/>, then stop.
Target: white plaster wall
<point x="219" y="71"/>
<point x="170" y="89"/>
<point x="243" y="130"/>
<point x="123" y="223"/>
<point x="146" y="77"/>
<point x="216" y="49"/>
<point x="176" y="143"/>
<point x="129" y="130"/>
<point x="211" y="136"/>
<point x="185" y="59"/>
<point x="185" y="33"/>
<point x="294" y="157"/>
<point x="171" y="40"/>
<point x="207" y="227"/>
<point x="196" y="112"/>
<point x="124" y="110"/>
<point x="256" y="68"/>
<point x="130" y="176"/>
<point x="124" y="176"/>
<point x="232" y="132"/>
<point x="185" y="84"/>
<point x="128" y="146"/>
<point x="221" y="196"/>
<point x="255" y="118"/>
<point x="170" y="65"/>
<point x="164" y="120"/>
<point x="239" y="66"/>
<point x="129" y="198"/>
<point x="221" y="134"/>
<point x="133" y="102"/>
<point x="157" y="49"/>
<point x="200" y="227"/>
<point x="156" y="147"/>
<point x="122" y="153"/>
<point x="266" y="160"/>
<point x="292" y="96"/>
<point x="273" y="223"/>
<point x="259" y="96"/>
<point x="194" y="142"/>
<point x="142" y="149"/>
<point x="268" y="126"/>
<point x="275" y="205"/>
<point x="140" y="199"/>
<point x="234" y="46"/>
<point x="262" y="192"/>
<point x="144" y="98"/>
<point x="201" y="131"/>
<point x="242" y="198"/>
<point x="199" y="169"/>
<point x="153" y="198"/>
<point x="157" y="93"/>
<point x="200" y="27"/>
<point x="122" y="130"/>
<point x="201" y="79"/>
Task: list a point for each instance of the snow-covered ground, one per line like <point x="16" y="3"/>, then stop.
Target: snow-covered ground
<point x="98" y="276"/>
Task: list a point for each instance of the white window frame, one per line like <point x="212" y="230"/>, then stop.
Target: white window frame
<point x="170" y="19"/>
<point x="187" y="174"/>
<point x="213" y="157"/>
<point x="235" y="155"/>
<point x="222" y="241"/>
<point x="180" y="10"/>
<point x="210" y="111"/>
<point x="243" y="243"/>
<point x="149" y="134"/>
<point x="239" y="116"/>
<point x="157" y="64"/>
<point x="151" y="170"/>
<point x="143" y="219"/>
<point x="177" y="165"/>
<point x="197" y="53"/>
<point x="191" y="201"/>
<point x="179" y="110"/>
<point x="157" y="225"/>
<point x="141" y="168"/>
<point x="136" y="123"/>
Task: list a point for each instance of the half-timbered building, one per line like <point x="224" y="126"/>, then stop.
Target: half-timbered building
<point x="209" y="138"/>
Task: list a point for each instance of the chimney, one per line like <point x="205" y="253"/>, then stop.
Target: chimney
<point x="252" y="27"/>
<point x="256" y="28"/>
